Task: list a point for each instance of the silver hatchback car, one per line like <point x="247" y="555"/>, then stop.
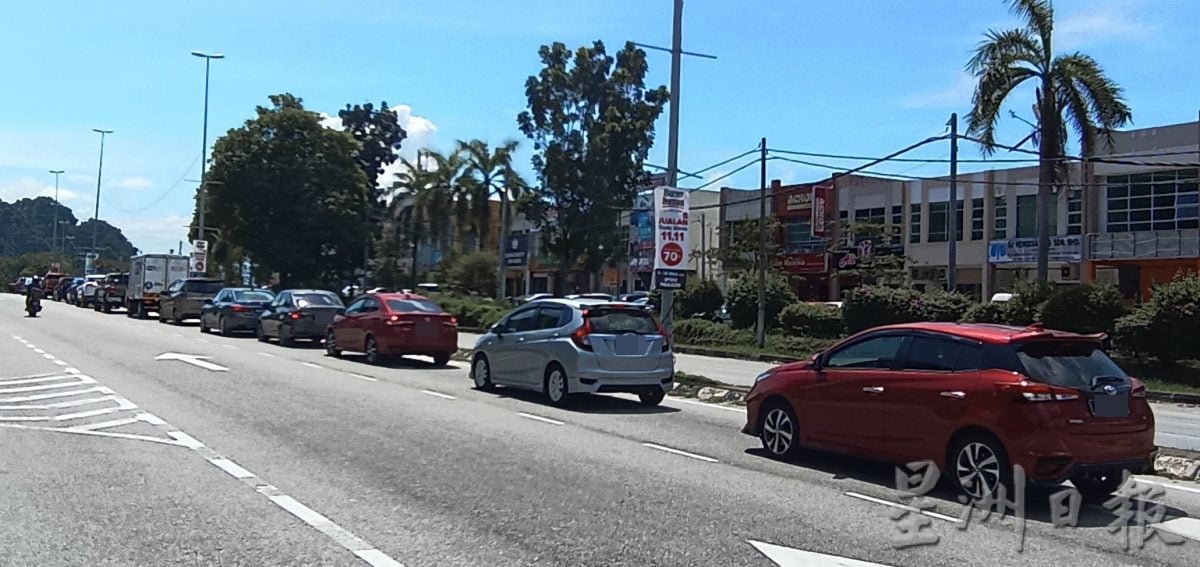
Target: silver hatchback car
<point x="562" y="347"/>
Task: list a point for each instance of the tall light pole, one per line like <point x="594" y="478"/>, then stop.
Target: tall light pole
<point x="208" y="57"/>
<point x="54" y="233"/>
<point x="99" y="175"/>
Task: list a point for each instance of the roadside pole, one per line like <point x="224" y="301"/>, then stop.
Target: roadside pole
<point x="760" y="330"/>
<point x="955" y="218"/>
<point x="668" y="296"/>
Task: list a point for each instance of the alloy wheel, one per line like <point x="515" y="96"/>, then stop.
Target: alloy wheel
<point x="481" y="374"/>
<point x="372" y="350"/>
<point x="977" y="469"/>
<point x="556" y="385"/>
<point x="778" y="431"/>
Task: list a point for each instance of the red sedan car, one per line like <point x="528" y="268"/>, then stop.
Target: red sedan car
<point x="975" y="399"/>
<point x="393" y="324"/>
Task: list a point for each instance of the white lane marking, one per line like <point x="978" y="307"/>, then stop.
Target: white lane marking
<point x="176" y="335"/>
<point x="79" y="380"/>
<point x="1186" y="527"/>
<point x="540" y="418"/>
<point x="679" y="452"/>
<point x="60" y="405"/>
<point x="265" y="354"/>
<point x="71" y="370"/>
<point x="104" y="424"/>
<point x="361" y="377"/>
<point x="92" y="433"/>
<point x="39" y="351"/>
<point x="311" y="365"/>
<point x="58" y="362"/>
<point x="438" y="395"/>
<point x="36" y="380"/>
<point x="194" y="360"/>
<point x="35" y="397"/>
<point x="707" y="405"/>
<point x="48" y="356"/>
<point x="360" y="548"/>
<point x="30" y="346"/>
<point x="185" y="439"/>
<point x="1145" y="480"/>
<point x="150" y="418"/>
<point x="27" y="376"/>
<point x="229" y="346"/>
<point x="235" y="470"/>
<point x="16" y="337"/>
<point x="902" y="507"/>
<point x="90" y="413"/>
<point x="791" y="557"/>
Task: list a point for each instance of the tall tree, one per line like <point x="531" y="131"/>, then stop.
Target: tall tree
<point x="1071" y="89"/>
<point x="591" y="120"/>
<point x="289" y="192"/>
<point x="493" y="174"/>
<point x="379" y="135"/>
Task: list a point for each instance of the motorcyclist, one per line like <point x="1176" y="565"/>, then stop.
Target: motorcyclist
<point x="33" y="296"/>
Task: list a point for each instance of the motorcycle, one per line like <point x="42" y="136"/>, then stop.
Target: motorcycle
<point x="33" y="304"/>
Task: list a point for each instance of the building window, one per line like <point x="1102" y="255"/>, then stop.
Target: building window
<point x="1162" y="200"/>
<point x="1074" y="211"/>
<point x="914" y="223"/>
<point x="958" y="222"/>
<point x="977" y="219"/>
<point x="897" y="228"/>
<point x="1000" y="221"/>
<point x="938" y="218"/>
<point x="798" y="237"/>
<point x="1027" y="216"/>
<point x="873" y="216"/>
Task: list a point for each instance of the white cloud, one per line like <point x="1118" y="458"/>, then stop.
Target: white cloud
<point x="156" y="235"/>
<point x="28" y="187"/>
<point x="1103" y="21"/>
<point x="135" y="182"/>
<point x="955" y="95"/>
<point x="421" y="135"/>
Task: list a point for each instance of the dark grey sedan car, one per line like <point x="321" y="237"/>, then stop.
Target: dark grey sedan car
<point x="298" y="314"/>
<point x="234" y="309"/>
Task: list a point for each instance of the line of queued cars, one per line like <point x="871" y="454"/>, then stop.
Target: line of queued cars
<point x="979" y="401"/>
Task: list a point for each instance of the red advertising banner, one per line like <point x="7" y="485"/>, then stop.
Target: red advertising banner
<point x="793" y="201"/>
<point x="820" y="208"/>
<point x="803" y="263"/>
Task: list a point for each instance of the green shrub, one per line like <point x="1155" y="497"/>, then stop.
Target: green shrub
<point x="941" y="305"/>
<point x="991" y="312"/>
<point x="812" y="320"/>
<point x="474" y="273"/>
<point x="472" y="312"/>
<point x="702" y="332"/>
<point x="1086" y="308"/>
<point x="1168" y="326"/>
<point x="743" y="300"/>
<point x="871" y="306"/>
<point x="701" y="297"/>
<point x="1025" y="306"/>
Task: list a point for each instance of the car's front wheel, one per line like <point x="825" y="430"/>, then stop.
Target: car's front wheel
<point x="260" y="333"/>
<point x="979" y="466"/>
<point x="481" y="373"/>
<point x="204" y="328"/>
<point x="777" y="431"/>
<point x="652" y="398"/>
<point x="331" y="348"/>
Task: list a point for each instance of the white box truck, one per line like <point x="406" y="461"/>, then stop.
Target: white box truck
<point x="149" y="275"/>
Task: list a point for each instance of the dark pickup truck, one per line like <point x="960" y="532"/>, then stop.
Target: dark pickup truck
<point x="111" y="293"/>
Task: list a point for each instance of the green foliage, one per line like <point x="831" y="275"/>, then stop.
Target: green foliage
<point x="379" y="135"/>
<point x="473" y="273"/>
<point x="34" y="264"/>
<point x="289" y="192"/>
<point x="472" y="312"/>
<point x="743" y="300"/>
<point x="812" y="320"/>
<point x="27" y="226"/>
<point x="1028" y="299"/>
<point x="591" y="120"/>
<point x="872" y="306"/>
<point x="701" y="297"/>
<point x="739" y="245"/>
<point x="1086" y="308"/>
<point x="991" y="312"/>
<point x="492" y="172"/>
<point x="1168" y="326"/>
<point x="721" y="338"/>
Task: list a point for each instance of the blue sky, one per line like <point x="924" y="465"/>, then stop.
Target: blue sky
<point x="861" y="77"/>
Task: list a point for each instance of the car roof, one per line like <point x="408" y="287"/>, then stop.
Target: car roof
<point x="202" y="280"/>
<point x="398" y="295"/>
<point x="295" y="291"/>
<point x="582" y="302"/>
<point x="992" y="333"/>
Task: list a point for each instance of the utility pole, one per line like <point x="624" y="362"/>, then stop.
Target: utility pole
<point x="703" y="246"/>
<point x="760" y="330"/>
<point x="99" y="174"/>
<point x="208" y="57"/>
<point x="668" y="296"/>
<point x="952" y="249"/>
<point x="501" y="238"/>
<point x="54" y="231"/>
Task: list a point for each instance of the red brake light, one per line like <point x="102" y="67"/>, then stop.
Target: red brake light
<point x="453" y="322"/>
<point x="1037" y="392"/>
<point x="1139" y="389"/>
<point x="666" y="338"/>
<point x="239" y="308"/>
<point x="580" y="336"/>
<point x="296" y="315"/>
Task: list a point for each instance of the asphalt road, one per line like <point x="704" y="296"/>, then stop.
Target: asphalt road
<point x="282" y="456"/>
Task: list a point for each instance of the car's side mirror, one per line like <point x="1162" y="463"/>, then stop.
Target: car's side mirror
<point x="497" y="329"/>
<point x="340" y="311"/>
<point x="818" y="363"/>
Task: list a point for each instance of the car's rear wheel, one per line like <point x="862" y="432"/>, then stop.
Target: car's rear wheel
<point x="285" y="336"/>
<point x="979" y="466"/>
<point x="331" y="348"/>
<point x="777" y="430"/>
<point x="223" y="326"/>
<point x="556" y="385"/>
<point x="652" y="397"/>
<point x="1098" y="484"/>
<point x="481" y="373"/>
<point x="260" y="333"/>
<point x="371" y="349"/>
<point x="441" y="359"/>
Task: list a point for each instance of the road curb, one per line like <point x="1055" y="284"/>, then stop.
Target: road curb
<point x="717" y="353"/>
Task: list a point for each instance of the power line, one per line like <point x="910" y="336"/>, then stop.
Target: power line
<point x="898" y="160"/>
<point x="158" y="199"/>
<point x="1090" y="159"/>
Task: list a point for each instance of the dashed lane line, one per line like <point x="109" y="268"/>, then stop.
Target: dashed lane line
<point x="311" y="365"/>
<point x="361" y="377"/>
<point x="260" y="353"/>
<point x="680" y="452"/>
<point x="540" y="418"/>
<point x="902" y="506"/>
<point x="438" y="395"/>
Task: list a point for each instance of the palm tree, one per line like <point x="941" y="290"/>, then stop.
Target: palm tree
<point x="492" y="173"/>
<point x="1071" y="89"/>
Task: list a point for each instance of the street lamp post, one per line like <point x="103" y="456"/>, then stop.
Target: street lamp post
<point x="54" y="233"/>
<point x="99" y="175"/>
<point x="208" y="57"/>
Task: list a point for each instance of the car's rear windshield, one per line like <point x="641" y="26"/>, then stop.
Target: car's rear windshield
<point x="316" y="299"/>
<point x="413" y="305"/>
<point x="1069" y="364"/>
<point x="621" y="321"/>
<point x="121" y="279"/>
<point x="203" y="287"/>
<point x="252" y="295"/>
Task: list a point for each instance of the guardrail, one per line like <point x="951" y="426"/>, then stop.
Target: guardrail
<point x="1144" y="244"/>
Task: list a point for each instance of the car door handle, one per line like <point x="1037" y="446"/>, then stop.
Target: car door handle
<point x="873" y="389"/>
<point x="956" y="394"/>
<point x="520" y="339"/>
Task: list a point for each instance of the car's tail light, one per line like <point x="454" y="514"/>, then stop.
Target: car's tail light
<point x="239" y="309"/>
<point x="395" y="320"/>
<point x="1138" y="390"/>
<point x="581" y="337"/>
<point x="666" y="338"/>
<point x="296" y="315"/>
<point x="1038" y="392"/>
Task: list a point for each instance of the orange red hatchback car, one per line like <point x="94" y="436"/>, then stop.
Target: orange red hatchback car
<point x="975" y="399"/>
<point x="393" y="324"/>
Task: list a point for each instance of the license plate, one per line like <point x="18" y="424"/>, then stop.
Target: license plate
<point x="1111" y="406"/>
<point x="628" y="345"/>
<point x="428" y="330"/>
